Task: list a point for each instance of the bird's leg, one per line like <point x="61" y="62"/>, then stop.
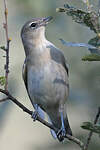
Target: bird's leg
<point x="62" y="132"/>
<point x="35" y="113"/>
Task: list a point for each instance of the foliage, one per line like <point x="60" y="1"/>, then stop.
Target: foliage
<point x="91" y="127"/>
<point x="2" y="80"/>
<point x="89" y="18"/>
<point x="3" y="48"/>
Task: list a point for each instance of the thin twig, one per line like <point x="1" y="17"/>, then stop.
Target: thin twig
<point x="72" y="138"/>
<point x="7" y="45"/>
<point x="91" y="132"/>
<point x="6" y="19"/>
<point x="7" y="66"/>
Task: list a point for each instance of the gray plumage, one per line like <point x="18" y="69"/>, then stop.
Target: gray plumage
<point x="45" y="73"/>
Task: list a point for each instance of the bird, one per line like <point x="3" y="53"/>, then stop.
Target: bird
<point x="45" y="74"/>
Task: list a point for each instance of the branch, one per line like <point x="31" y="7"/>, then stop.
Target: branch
<point x="73" y="44"/>
<point x="6" y="20"/>
<point x="71" y="138"/>
<point x="91" y="132"/>
<point x="7" y="45"/>
<point x="75" y="140"/>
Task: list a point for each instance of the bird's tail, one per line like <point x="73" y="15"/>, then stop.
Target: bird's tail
<point x="67" y="126"/>
<point x="58" y="125"/>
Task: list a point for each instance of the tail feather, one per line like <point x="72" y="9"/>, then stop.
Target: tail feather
<point x="67" y="126"/>
<point x="53" y="133"/>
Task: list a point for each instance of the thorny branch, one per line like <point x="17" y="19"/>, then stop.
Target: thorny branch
<point x="7" y="46"/>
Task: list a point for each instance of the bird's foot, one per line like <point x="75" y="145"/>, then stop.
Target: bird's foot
<point x="61" y="134"/>
<point x="34" y="115"/>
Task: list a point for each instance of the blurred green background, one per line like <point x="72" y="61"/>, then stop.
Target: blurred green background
<point x="17" y="130"/>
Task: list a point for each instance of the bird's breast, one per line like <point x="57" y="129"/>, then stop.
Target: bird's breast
<point x="47" y="84"/>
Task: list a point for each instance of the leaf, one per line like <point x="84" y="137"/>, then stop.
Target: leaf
<point x="96" y="43"/>
<point x="87" y="18"/>
<point x="2" y="80"/>
<point x="91" y="57"/>
<point x="90" y="126"/>
<point x="3" y="48"/>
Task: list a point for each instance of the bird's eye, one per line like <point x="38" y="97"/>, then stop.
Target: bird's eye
<point x="33" y="25"/>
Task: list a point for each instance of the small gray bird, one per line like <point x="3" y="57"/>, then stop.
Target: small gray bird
<point x="45" y="73"/>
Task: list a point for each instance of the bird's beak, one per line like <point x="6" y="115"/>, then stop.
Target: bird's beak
<point x="46" y="20"/>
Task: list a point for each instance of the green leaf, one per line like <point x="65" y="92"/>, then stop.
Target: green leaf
<point x="92" y="127"/>
<point x="2" y="80"/>
<point x="91" y="57"/>
<point x="95" y="41"/>
<point x="3" y="48"/>
<point x="87" y="18"/>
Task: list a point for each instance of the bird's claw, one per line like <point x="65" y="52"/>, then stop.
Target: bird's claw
<point x="34" y="115"/>
<point x="61" y="134"/>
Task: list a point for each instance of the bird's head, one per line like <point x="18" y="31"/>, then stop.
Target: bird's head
<point x="34" y="28"/>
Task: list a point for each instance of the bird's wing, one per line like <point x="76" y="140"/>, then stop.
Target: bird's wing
<point x="24" y="74"/>
<point x="58" y="56"/>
